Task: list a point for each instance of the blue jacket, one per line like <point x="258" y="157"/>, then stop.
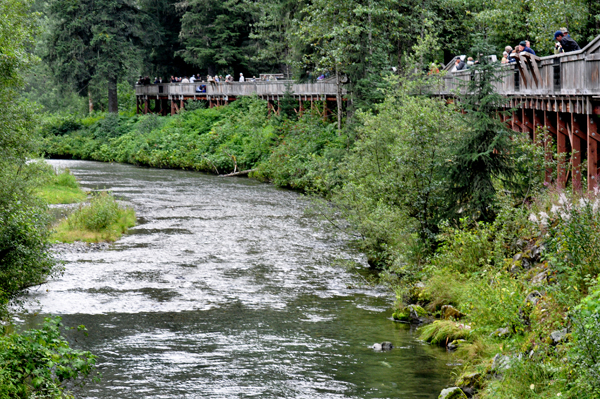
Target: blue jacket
<point x="529" y="50"/>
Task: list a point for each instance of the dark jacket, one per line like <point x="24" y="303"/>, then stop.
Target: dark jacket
<point x="569" y="44"/>
<point x="461" y="65"/>
<point x="529" y="50"/>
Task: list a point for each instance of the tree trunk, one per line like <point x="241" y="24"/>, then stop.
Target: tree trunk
<point x="339" y="99"/>
<point x="113" y="104"/>
<point x="90" y="101"/>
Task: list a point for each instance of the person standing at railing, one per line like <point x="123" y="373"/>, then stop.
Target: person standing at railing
<point x="192" y="79"/>
<point x="566" y="42"/>
<point x="185" y="80"/>
<point x="524" y="47"/>
<point x="242" y="78"/>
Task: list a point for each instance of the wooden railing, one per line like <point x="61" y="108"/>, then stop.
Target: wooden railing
<point x="570" y="74"/>
<point x="235" y="89"/>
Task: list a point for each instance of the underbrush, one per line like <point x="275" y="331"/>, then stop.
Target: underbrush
<point x="62" y="188"/>
<point x="527" y="292"/>
<point x="100" y="220"/>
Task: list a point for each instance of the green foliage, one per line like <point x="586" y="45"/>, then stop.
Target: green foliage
<point x="102" y="211"/>
<point x="440" y="332"/>
<point x="40" y="363"/>
<point x="62" y="188"/>
<point x="483" y="151"/>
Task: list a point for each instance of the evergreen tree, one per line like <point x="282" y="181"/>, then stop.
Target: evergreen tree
<point x="216" y="33"/>
<point x="483" y="152"/>
<point x="94" y="39"/>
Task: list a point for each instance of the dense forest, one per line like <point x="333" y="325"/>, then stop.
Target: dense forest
<point x="451" y="208"/>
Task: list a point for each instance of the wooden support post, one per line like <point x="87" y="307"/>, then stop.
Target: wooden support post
<point x="592" y="152"/>
<point x="181" y="104"/>
<point x="574" y="132"/>
<point x="210" y="103"/>
<point x="537" y="123"/>
<point x="137" y="105"/>
<point x="145" y="105"/>
<point x="561" y="147"/>
<point x="325" y="109"/>
<point x="516" y="123"/>
<point x="526" y="125"/>
<point x="172" y="106"/>
<point x="550" y="126"/>
<point x="300" y="106"/>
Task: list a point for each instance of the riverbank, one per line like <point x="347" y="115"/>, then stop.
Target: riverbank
<point x="507" y="296"/>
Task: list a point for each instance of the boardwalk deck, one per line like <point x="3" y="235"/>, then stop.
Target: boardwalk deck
<point x="560" y="93"/>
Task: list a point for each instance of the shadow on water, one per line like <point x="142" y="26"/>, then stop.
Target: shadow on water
<point x="229" y="291"/>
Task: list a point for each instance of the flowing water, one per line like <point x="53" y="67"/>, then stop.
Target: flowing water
<point x="226" y="289"/>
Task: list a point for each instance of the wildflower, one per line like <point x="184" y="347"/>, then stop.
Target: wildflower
<point x="554" y="209"/>
<point x="533" y="218"/>
<point x="544" y="218"/>
<point x="532" y="387"/>
<point x="562" y="199"/>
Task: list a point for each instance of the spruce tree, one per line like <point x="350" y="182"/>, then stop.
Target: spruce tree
<point x="483" y="153"/>
<point x="93" y="39"/>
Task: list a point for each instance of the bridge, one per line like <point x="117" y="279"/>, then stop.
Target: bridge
<point x="559" y="92"/>
<point x="158" y="98"/>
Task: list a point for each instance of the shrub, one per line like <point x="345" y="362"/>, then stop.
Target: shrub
<point x="102" y="211"/>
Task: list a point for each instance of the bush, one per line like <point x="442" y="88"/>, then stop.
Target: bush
<point x="40" y="363"/>
<point x="102" y="211"/>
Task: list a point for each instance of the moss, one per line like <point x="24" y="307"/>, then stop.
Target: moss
<point x="441" y="332"/>
<point x="401" y="315"/>
<point x="418" y="310"/>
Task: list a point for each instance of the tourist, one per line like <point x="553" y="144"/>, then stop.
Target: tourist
<point x="217" y="80"/>
<point x="566" y="42"/>
<point x="192" y="79"/>
<point x="211" y="80"/>
<point x="185" y="80"/>
<point x="504" y="57"/>
<point x="525" y="48"/>
<point x="459" y="65"/>
<point x="470" y="62"/>
<point x="253" y="78"/>
<point x="156" y="80"/>
<point x="242" y="77"/>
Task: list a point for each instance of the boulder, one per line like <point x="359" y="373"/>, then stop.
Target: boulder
<point x="450" y="312"/>
<point x="533" y="298"/>
<point x="558" y="336"/>
<point x="401" y="315"/>
<point x="376" y="347"/>
<point x="539" y="278"/>
<point x="452" y="346"/>
<point x="417" y="314"/>
<point x="452" y="393"/>
<point x="500" y="363"/>
<point x="472" y="380"/>
<point x="387" y="346"/>
<point x="470" y="392"/>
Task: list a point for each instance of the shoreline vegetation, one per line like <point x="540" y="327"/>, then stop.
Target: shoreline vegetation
<point x="506" y="279"/>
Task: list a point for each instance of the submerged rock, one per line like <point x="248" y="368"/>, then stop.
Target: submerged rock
<point x="384" y="346"/>
<point x="452" y="393"/>
<point x="417" y="314"/>
<point x="377" y="347"/>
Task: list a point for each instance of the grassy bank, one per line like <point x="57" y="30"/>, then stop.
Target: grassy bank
<point x="100" y="220"/>
<point x="506" y="269"/>
<point x="61" y="188"/>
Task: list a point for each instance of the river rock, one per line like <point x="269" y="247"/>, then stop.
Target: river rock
<point x="387" y="346"/>
<point x="377" y="347"/>
<point x="472" y="380"/>
<point x="470" y="392"/>
<point x="558" y="336"/>
<point x="417" y="314"/>
<point x="452" y="346"/>
<point x="449" y="311"/>
<point x="452" y="393"/>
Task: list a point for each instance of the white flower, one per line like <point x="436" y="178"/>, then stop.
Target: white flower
<point x="562" y="199"/>
<point x="555" y="209"/>
<point x="583" y="202"/>
<point x="533" y="218"/>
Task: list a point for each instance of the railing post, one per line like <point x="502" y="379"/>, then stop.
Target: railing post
<point x="574" y="133"/>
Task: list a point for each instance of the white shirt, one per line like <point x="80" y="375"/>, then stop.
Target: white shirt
<point x="192" y="79"/>
<point x="185" y="80"/>
<point x="241" y="78"/>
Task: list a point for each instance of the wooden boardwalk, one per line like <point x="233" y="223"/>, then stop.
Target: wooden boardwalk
<point x="223" y="92"/>
<point x="558" y="92"/>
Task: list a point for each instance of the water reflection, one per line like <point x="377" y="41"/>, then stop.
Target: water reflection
<point x="225" y="290"/>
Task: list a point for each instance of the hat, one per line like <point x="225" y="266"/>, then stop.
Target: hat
<point x="523" y="43"/>
<point x="564" y="30"/>
<point x="505" y="54"/>
<point x="558" y="33"/>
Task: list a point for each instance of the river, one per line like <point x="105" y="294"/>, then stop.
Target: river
<point x="226" y="289"/>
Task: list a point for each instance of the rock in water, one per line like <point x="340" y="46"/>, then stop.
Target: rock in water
<point x="387" y="346"/>
<point x="452" y="393"/>
<point x="376" y="347"/>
